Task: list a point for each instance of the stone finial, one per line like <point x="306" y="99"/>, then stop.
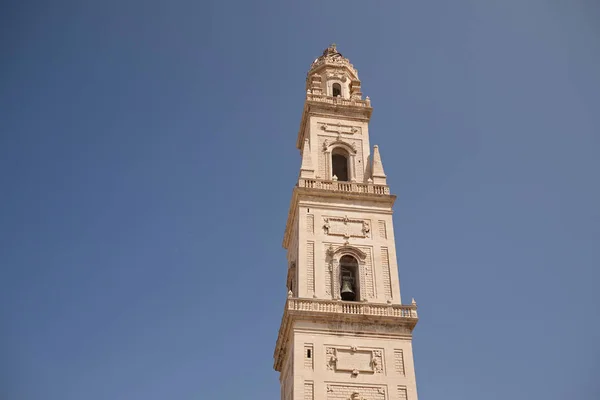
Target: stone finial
<point x="413" y="302"/>
<point x="379" y="177"/>
<point x="290" y="294"/>
<point x="306" y="169"/>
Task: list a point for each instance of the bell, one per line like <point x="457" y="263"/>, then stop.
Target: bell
<point x="347" y="292"/>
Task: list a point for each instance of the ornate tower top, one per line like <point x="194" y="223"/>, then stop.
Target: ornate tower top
<point x="332" y="58"/>
<point x="333" y="87"/>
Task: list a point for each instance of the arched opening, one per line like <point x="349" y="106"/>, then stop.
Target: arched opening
<point x="336" y="89"/>
<point x="339" y="162"/>
<point x="348" y="278"/>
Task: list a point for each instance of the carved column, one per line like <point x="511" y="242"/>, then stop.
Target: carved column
<point x="353" y="167"/>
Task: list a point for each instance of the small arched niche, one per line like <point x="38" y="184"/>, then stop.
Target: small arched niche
<point x="349" y="287"/>
<point x="336" y="90"/>
<point x="339" y="162"/>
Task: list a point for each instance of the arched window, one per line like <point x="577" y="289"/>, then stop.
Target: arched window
<point x="339" y="162"/>
<point x="336" y="89"/>
<point x="348" y="278"/>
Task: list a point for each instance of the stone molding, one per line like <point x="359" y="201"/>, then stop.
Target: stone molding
<point x="314" y="188"/>
<point x="399" y="319"/>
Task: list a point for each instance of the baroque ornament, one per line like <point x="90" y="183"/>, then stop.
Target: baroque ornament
<point x="346" y="227"/>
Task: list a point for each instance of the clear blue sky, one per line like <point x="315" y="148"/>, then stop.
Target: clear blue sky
<point x="147" y="157"/>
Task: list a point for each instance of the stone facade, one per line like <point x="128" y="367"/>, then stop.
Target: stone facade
<point x="345" y="333"/>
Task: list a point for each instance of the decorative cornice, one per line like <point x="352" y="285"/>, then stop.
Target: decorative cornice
<point x="400" y="318"/>
<point x="359" y="110"/>
<point x="364" y="192"/>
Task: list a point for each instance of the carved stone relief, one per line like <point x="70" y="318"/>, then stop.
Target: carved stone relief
<point x="364" y="327"/>
<point x="355" y="392"/>
<point x="340" y="128"/>
<point x="346" y="227"/>
<point x="354" y="360"/>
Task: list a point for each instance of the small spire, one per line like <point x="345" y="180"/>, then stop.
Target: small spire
<point x="379" y="177"/>
<point x="306" y="169"/>
<point x="413" y="302"/>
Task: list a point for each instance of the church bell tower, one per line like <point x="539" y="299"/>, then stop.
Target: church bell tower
<point x="345" y="334"/>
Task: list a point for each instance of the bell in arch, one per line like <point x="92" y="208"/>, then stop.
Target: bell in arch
<point x="347" y="291"/>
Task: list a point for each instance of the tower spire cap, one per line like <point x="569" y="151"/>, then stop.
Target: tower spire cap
<point x="333" y="58"/>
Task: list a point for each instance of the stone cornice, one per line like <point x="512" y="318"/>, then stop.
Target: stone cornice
<point x="299" y="193"/>
<point x="334" y="107"/>
<point x="399" y="319"/>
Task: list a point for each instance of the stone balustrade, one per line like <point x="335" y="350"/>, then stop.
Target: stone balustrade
<point x="350" y="307"/>
<point x="337" y="186"/>
<point x="323" y="98"/>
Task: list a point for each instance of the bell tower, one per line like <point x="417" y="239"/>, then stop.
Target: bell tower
<point x="345" y="334"/>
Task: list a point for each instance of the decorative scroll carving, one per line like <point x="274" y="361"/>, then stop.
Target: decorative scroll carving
<point x="340" y="128"/>
<point x="330" y="358"/>
<point x="377" y="361"/>
<point x="346" y="227"/>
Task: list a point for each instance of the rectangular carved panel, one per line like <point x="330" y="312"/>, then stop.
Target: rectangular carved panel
<point x="346" y="227"/>
<point x="310" y="267"/>
<point x="354" y="360"/>
<point x="308" y="391"/>
<point x="387" y="279"/>
<point x="382" y="230"/>
<point x="402" y="395"/>
<point x="340" y="128"/>
<point x="310" y="223"/>
<point x="341" y="391"/>
<point x="399" y="361"/>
